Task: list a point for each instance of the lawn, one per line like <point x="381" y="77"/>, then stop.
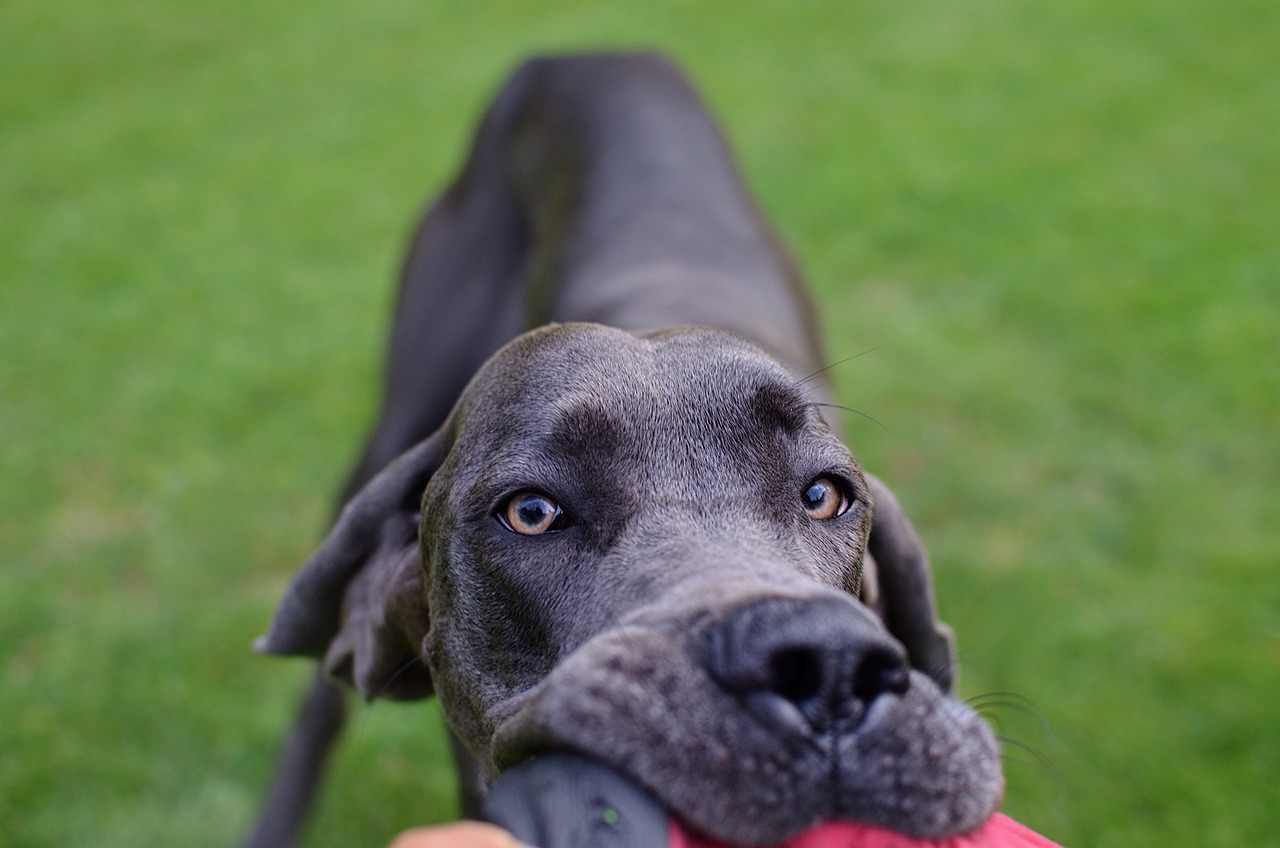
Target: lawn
<point x="1057" y="223"/>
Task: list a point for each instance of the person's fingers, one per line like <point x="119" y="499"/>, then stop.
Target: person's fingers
<point x="464" y="834"/>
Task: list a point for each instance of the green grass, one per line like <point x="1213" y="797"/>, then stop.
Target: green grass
<point x="1059" y="223"/>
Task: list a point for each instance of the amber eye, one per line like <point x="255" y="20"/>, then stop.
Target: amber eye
<point x="823" y="499"/>
<point x="532" y="514"/>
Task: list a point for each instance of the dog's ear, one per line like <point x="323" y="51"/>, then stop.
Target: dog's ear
<point x="358" y="603"/>
<point x="904" y="586"/>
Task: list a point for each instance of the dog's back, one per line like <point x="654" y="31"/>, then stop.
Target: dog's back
<point x="597" y="188"/>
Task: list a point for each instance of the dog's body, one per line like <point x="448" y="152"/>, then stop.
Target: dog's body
<point x="633" y="534"/>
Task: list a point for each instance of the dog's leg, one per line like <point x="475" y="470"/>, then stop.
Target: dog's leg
<point x="472" y="778"/>
<point x="301" y="765"/>
<point x="639" y="215"/>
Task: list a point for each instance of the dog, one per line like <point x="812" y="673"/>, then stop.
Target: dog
<point x="603" y="509"/>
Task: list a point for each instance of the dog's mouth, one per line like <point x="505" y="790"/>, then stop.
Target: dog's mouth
<point x="563" y="799"/>
<point x="916" y="761"/>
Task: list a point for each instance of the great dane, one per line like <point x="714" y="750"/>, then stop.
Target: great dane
<point x="631" y="531"/>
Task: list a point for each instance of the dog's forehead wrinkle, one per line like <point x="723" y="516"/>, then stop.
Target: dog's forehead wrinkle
<point x="583" y="424"/>
<point x="587" y="357"/>
<point x="674" y="412"/>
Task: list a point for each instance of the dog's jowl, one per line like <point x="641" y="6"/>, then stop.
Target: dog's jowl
<point x="603" y="510"/>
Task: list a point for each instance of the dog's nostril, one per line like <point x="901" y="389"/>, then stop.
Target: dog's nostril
<point x="880" y="672"/>
<point x="805" y="666"/>
<point x="796" y="674"/>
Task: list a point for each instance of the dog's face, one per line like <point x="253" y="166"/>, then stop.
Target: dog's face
<point x="645" y="549"/>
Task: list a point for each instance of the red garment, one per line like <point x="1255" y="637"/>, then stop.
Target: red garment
<point x="999" y="831"/>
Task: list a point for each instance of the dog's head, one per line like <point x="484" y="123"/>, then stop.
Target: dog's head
<point x="648" y="549"/>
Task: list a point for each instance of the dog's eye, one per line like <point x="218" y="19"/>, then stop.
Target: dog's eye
<point x="532" y="514"/>
<point x="824" y="498"/>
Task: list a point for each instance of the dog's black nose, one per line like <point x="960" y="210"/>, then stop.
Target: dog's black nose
<point x="813" y="666"/>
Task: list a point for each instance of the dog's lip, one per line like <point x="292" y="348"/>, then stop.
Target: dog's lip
<point x="518" y="737"/>
<point x="593" y="704"/>
<point x="509" y="752"/>
<point x="522" y="736"/>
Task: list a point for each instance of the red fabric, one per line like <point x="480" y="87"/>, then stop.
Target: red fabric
<point x="999" y="831"/>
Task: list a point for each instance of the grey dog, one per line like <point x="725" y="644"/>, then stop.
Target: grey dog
<point x="629" y="531"/>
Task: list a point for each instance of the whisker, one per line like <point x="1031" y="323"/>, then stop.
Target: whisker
<point x="827" y="368"/>
<point x="392" y="679"/>
<point x="1002" y="695"/>
<point x="850" y="409"/>
<point x="994" y="720"/>
<point x="1012" y="701"/>
<point x="1038" y="762"/>
<point x="382" y="690"/>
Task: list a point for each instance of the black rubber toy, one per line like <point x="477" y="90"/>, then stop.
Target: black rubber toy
<point x="565" y="800"/>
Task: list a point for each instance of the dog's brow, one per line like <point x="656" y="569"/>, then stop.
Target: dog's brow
<point x="584" y="427"/>
<point x="780" y="406"/>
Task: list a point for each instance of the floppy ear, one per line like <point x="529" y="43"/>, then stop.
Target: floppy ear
<point x="358" y="603"/>
<point x="905" y="587"/>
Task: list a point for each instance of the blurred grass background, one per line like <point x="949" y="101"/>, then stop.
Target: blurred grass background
<point x="1059" y="222"/>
